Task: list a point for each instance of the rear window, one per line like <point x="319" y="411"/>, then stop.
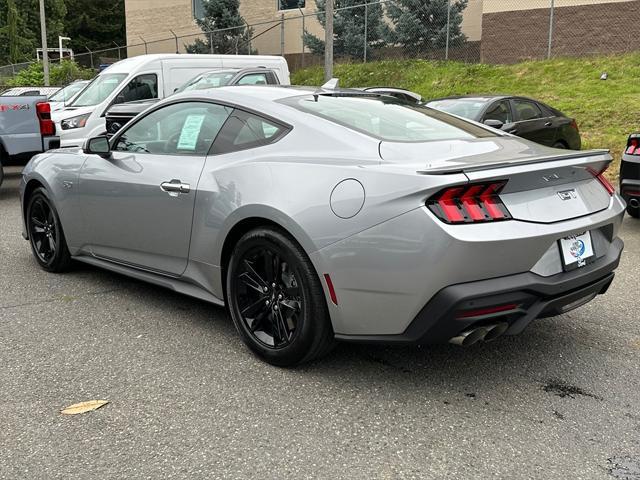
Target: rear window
<point x="387" y="118"/>
<point x="465" y="107"/>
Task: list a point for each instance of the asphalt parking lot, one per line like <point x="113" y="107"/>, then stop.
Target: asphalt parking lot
<point x="187" y="400"/>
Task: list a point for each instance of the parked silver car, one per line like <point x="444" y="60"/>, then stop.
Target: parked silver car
<point x="325" y="214"/>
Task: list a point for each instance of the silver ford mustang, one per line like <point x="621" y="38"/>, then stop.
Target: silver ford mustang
<point x="317" y="215"/>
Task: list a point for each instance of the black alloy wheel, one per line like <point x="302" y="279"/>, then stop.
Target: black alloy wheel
<point x="45" y="233"/>
<point x="276" y="300"/>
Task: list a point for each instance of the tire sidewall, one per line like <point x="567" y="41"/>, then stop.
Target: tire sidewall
<point x="305" y="333"/>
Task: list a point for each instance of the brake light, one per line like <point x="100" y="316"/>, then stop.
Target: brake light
<point x="47" y="127"/>
<point x="603" y="180"/>
<point x="332" y="291"/>
<point x="633" y="146"/>
<point x="574" y="125"/>
<point x="473" y="203"/>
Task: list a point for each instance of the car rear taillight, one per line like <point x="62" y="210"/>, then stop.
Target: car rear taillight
<point x="574" y="125"/>
<point x="475" y="203"/>
<point x="47" y="127"/>
<point x="633" y="145"/>
<point x="603" y="180"/>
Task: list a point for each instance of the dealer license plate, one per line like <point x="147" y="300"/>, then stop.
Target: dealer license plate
<point x="576" y="249"/>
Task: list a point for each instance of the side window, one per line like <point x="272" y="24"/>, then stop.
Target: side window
<point x="141" y="87"/>
<point x="499" y="111"/>
<point x="187" y="128"/>
<point x="253" y="79"/>
<point x="245" y="130"/>
<point x="525" y="110"/>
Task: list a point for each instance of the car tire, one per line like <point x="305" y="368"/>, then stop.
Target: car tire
<point x="633" y="212"/>
<point x="560" y="145"/>
<point x="48" y="243"/>
<point x="276" y="300"/>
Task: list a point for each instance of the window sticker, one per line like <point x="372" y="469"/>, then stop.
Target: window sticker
<point x="190" y="132"/>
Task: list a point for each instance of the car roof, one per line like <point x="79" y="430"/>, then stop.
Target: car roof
<point x="481" y="98"/>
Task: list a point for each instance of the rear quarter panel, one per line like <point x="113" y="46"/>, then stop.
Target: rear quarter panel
<point x="19" y="125"/>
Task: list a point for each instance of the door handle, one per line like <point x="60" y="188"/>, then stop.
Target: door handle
<point x="548" y="124"/>
<point x="512" y="131"/>
<point x="175" y="187"/>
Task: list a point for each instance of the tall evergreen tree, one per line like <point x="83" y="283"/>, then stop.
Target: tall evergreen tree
<point x="349" y="29"/>
<point x="221" y="15"/>
<point x="95" y="24"/>
<point x="24" y="20"/>
<point x="422" y="24"/>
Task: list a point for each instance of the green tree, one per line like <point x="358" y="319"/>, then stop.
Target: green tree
<point x="221" y="15"/>
<point x="20" y="28"/>
<point x="95" y="24"/>
<point x="422" y="24"/>
<point x="349" y="29"/>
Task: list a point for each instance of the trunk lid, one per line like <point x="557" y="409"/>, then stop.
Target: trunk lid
<point x="544" y="185"/>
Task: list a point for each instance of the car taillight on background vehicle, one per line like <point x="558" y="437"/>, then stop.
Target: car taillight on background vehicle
<point x="47" y="127"/>
<point x="574" y="125"/>
<point x="633" y="145"/>
<point x="475" y="203"/>
<point x="603" y="180"/>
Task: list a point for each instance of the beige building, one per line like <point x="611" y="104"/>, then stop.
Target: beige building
<point x="497" y="30"/>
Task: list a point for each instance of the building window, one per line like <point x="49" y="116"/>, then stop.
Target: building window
<point x="290" y="4"/>
<point x="197" y="8"/>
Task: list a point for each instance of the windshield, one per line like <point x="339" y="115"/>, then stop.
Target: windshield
<point x="207" y="80"/>
<point x="465" y="107"/>
<point x="67" y="92"/>
<point x="387" y="118"/>
<point x="98" y="90"/>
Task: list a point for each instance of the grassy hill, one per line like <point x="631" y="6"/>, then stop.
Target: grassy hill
<point x="606" y="111"/>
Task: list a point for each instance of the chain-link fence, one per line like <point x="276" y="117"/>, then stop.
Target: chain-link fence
<point x="489" y="31"/>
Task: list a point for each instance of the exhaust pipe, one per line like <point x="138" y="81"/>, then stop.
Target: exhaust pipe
<point x="496" y="331"/>
<point x="469" y="337"/>
<point x="634" y="203"/>
<point x="487" y="333"/>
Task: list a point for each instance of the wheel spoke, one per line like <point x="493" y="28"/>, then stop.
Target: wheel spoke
<point x="250" y="281"/>
<point x="255" y="307"/>
<point x="269" y="271"/>
<point x="283" y="331"/>
<point x="291" y="304"/>
<point x="52" y="245"/>
<point x="254" y="275"/>
<point x="37" y="223"/>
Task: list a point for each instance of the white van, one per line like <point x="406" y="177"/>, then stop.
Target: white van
<point x="145" y="77"/>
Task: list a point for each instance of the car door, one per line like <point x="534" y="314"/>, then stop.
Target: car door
<point x="138" y="204"/>
<point x="530" y="122"/>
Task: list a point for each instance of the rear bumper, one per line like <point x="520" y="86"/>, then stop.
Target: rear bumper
<point x="536" y="297"/>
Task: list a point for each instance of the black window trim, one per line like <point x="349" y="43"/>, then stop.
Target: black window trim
<point x="122" y="87"/>
<point x="286" y="128"/>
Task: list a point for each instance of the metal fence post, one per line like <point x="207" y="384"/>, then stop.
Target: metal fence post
<point x="551" y="12"/>
<point x="210" y="42"/>
<point x="282" y="34"/>
<point x="366" y="28"/>
<point x="176" y="38"/>
<point x="328" y="40"/>
<point x="303" y="44"/>
<point x="446" y="44"/>
<point x="90" y="56"/>
<point x="119" y="57"/>
<point x="146" y="50"/>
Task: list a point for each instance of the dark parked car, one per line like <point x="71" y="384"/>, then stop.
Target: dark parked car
<point x="120" y="114"/>
<point x="520" y="116"/>
<point x="630" y="175"/>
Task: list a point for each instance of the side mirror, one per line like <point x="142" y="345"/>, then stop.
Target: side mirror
<point x="119" y="99"/>
<point x="98" y="146"/>
<point x="494" y="123"/>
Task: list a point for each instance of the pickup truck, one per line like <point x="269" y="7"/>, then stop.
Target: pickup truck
<point x="120" y="114"/>
<point x="26" y="128"/>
